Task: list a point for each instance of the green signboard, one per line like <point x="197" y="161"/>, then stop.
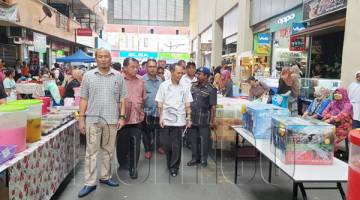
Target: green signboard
<point x="262" y="43"/>
<point x="174" y="56"/>
<point x="286" y="20"/>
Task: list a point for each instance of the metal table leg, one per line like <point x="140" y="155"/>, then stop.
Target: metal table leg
<point x="236" y="157"/>
<point x="339" y="186"/>
<point x="270" y="171"/>
<point x="295" y="190"/>
<point x="302" y="190"/>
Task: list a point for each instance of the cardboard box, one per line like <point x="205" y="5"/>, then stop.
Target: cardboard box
<point x="257" y="118"/>
<point x="305" y="141"/>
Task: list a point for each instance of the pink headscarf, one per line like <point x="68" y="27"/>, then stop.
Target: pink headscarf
<point x="344" y="105"/>
<point x="225" y="74"/>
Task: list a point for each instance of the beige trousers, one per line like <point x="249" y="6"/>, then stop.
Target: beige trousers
<point x="99" y="137"/>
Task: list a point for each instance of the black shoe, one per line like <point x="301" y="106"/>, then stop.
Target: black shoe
<point x="193" y="162"/>
<point x="204" y="164"/>
<point x="173" y="172"/>
<point x="133" y="173"/>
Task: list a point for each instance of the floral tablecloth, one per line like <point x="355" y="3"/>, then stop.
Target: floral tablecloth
<point x="37" y="172"/>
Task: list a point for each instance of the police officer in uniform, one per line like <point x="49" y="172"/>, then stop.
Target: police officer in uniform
<point x="203" y="110"/>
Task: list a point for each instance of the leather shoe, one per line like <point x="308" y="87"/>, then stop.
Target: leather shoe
<point x="204" y="164"/>
<point x="193" y="162"/>
<point x="86" y="190"/>
<point x="110" y="182"/>
<point x="133" y="173"/>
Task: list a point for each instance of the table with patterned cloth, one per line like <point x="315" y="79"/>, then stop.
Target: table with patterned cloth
<point x="35" y="89"/>
<point x="229" y="112"/>
<point x="37" y="172"/>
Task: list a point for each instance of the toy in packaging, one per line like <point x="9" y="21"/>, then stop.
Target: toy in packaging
<point x="305" y="141"/>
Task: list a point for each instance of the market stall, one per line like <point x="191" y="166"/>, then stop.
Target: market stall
<point x="36" y="171"/>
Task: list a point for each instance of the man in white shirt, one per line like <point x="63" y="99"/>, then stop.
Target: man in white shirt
<point x="174" y="100"/>
<point x="189" y="78"/>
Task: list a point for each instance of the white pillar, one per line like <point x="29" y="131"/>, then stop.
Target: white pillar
<point x="216" y="44"/>
<point x="350" y="59"/>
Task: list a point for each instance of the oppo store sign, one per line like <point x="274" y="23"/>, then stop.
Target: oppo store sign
<point x="286" y="19"/>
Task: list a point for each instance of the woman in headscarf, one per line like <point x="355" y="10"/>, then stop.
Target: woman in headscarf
<point x="339" y="113"/>
<point x="217" y="81"/>
<point x="354" y="95"/>
<point x="227" y="83"/>
<point x="319" y="104"/>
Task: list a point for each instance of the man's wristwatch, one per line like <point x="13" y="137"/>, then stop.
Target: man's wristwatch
<point x="122" y="117"/>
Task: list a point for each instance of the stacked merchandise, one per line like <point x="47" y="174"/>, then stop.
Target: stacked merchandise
<point x="304" y="141"/>
<point x="257" y="118"/>
<point x="229" y="112"/>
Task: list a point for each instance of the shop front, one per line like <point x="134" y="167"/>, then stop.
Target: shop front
<point x="205" y="47"/>
<point x="59" y="50"/>
<point x="230" y="36"/>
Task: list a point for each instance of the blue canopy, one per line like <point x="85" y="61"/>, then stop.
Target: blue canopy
<point x="78" y="56"/>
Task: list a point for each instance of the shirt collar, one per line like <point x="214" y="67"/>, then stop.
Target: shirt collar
<point x="147" y="78"/>
<point x="127" y="78"/>
<point x="111" y="71"/>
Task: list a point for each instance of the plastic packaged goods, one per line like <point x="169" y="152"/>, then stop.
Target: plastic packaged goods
<point x="46" y="104"/>
<point x="13" y="126"/>
<point x="257" y="118"/>
<point x="304" y="141"/>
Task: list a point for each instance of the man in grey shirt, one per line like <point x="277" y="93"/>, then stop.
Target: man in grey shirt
<point x="102" y="113"/>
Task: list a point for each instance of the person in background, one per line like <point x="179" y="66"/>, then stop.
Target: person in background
<point x="129" y="137"/>
<point x="354" y="95"/>
<point x="3" y="95"/>
<point x="318" y="72"/>
<point x="189" y="77"/>
<point x="226" y="83"/>
<point x="10" y="84"/>
<point x="160" y="73"/>
<point x="52" y="87"/>
<point x="151" y="136"/>
<point x="167" y="73"/>
<point x="102" y="114"/>
<point x="117" y="66"/>
<point x="258" y="89"/>
<point x="339" y="113"/>
<point x="289" y="85"/>
<point x="25" y="71"/>
<point x="173" y="100"/>
<point x="17" y="68"/>
<point x="203" y="110"/>
<point x="142" y="70"/>
<point x="2" y="70"/>
<point x="318" y="105"/>
<point x="217" y="81"/>
<point x="77" y="79"/>
<point x="182" y="63"/>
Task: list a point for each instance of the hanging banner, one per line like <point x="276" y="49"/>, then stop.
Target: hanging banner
<point x="316" y="8"/>
<point x="262" y="42"/>
<point x="39" y="42"/>
<point x="297" y="43"/>
<point x="9" y="13"/>
<point x="138" y="54"/>
<point x="174" y="56"/>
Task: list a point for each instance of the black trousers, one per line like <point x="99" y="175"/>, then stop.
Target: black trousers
<point x="128" y="145"/>
<point x="171" y="139"/>
<point x="151" y="133"/>
<point x="200" y="140"/>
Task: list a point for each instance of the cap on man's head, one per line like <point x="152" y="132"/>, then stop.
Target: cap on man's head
<point x="251" y="78"/>
<point x="204" y="70"/>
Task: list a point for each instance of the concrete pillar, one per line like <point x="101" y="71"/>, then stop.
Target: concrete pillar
<point x="350" y="60"/>
<point x="198" y="51"/>
<point x="245" y="36"/>
<point x="216" y="43"/>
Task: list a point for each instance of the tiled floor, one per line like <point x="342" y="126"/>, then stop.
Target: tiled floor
<point x="154" y="183"/>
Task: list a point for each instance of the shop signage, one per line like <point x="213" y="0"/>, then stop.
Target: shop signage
<point x="86" y="41"/>
<point x="39" y="42"/>
<point x="9" y="13"/>
<point x="138" y="54"/>
<point x="262" y="43"/>
<point x="297" y="27"/>
<point x="297" y="43"/>
<point x="286" y="20"/>
<point x="174" y="56"/>
<point x="316" y="8"/>
<point x="84" y="32"/>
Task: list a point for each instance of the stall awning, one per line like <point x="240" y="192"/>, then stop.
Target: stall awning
<point x="327" y="27"/>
